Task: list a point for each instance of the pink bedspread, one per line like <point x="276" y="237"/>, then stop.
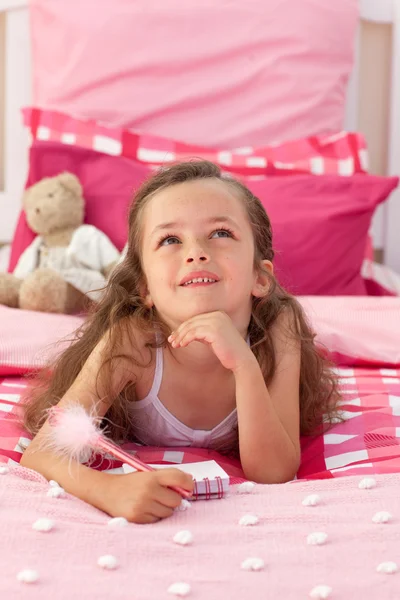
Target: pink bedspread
<point x="149" y="561"/>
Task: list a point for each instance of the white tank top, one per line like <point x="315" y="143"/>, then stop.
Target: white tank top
<point x="154" y="425"/>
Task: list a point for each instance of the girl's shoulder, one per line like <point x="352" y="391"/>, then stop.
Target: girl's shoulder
<point x="131" y="340"/>
<point x="127" y="348"/>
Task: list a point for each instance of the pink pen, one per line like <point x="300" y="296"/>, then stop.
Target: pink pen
<point x="74" y="431"/>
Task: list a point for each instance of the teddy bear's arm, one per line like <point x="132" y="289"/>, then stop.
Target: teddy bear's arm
<point x="93" y="248"/>
<point x="28" y="261"/>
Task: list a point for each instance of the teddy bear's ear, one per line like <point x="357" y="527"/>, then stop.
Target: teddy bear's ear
<point x="71" y="182"/>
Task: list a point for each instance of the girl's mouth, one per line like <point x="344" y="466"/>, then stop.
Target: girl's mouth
<point x="196" y="281"/>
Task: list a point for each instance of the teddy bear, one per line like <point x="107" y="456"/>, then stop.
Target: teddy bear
<point x="67" y="264"/>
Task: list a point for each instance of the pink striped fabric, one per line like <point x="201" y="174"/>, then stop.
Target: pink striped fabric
<point x="367" y="442"/>
<point x="342" y="153"/>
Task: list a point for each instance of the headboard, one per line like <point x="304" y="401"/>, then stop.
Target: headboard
<point x="373" y="107"/>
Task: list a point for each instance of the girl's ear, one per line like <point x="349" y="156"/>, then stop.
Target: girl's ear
<point x="262" y="280"/>
<point x="145" y="295"/>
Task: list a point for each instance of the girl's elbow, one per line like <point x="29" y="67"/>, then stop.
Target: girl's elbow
<point x="273" y="478"/>
<point x="268" y="475"/>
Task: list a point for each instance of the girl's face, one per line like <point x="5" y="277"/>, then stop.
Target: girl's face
<point x="198" y="253"/>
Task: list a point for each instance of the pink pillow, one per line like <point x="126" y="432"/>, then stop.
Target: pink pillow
<point x="30" y="339"/>
<point x="320" y="223"/>
<point x="222" y="74"/>
<point x="357" y="331"/>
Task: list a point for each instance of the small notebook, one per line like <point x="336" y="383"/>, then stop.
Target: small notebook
<point x="211" y="481"/>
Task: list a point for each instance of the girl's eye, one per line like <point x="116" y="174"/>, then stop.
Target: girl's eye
<point x="168" y="240"/>
<point x="222" y="233"/>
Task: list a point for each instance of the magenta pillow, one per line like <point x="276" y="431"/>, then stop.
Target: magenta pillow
<point x="320" y="227"/>
<point x="320" y="223"/>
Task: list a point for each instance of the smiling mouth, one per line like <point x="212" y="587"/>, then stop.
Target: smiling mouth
<point x="203" y="281"/>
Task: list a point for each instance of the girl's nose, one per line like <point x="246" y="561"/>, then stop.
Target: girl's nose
<point x="200" y="258"/>
<point x="197" y="255"/>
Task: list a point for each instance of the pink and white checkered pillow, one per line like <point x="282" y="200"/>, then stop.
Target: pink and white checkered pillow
<point x="343" y="153"/>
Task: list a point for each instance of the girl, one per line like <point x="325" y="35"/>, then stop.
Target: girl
<point x="194" y="343"/>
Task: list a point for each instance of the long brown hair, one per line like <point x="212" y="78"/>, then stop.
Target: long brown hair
<point x="122" y="300"/>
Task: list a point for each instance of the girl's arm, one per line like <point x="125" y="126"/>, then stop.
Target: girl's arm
<point x="269" y="419"/>
<point x="138" y="497"/>
<point x="72" y="476"/>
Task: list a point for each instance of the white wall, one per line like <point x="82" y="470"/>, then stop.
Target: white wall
<point x="16" y="83"/>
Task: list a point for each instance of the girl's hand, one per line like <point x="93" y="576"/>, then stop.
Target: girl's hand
<point x="143" y="497"/>
<point x="217" y="330"/>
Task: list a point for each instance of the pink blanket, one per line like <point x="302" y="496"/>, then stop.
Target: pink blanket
<point x="352" y="561"/>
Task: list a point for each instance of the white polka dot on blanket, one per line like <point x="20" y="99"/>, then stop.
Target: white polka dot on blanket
<point x="53" y="483"/>
<point x="311" y="500"/>
<point x="183" y="538"/>
<point x="55" y="492"/>
<point x="253" y="564"/>
<point x="317" y="538"/>
<point x="184" y="505"/>
<point x="28" y="576"/>
<point x="246" y="487"/>
<point x="367" y="483"/>
<point x="108" y="561"/>
<point x="320" y="592"/>
<point x="117" y="522"/>
<point x="387" y="567"/>
<point x="179" y="589"/>
<point x="4" y="470"/>
<point x="248" y="520"/>
<point x="382" y="517"/>
<point x="43" y="524"/>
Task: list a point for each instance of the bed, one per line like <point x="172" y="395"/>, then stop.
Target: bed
<point x="335" y="530"/>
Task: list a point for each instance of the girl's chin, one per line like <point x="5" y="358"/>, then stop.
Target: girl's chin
<point x="188" y="312"/>
<point x="201" y="305"/>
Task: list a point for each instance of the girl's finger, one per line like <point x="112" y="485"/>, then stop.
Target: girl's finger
<point x="168" y="497"/>
<point x="173" y="477"/>
<point x="181" y="329"/>
<point x="199" y="334"/>
<point x="159" y="510"/>
<point x="177" y="337"/>
<point x="147" y="519"/>
<point x="197" y="320"/>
